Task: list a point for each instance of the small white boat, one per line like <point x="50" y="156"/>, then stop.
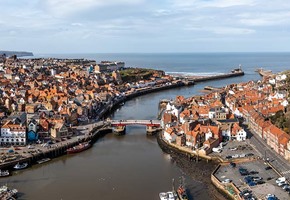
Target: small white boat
<point x="4" y="173"/>
<point x="167" y="196"/>
<point x="19" y="166"/>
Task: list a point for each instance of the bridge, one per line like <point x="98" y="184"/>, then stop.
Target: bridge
<point x="119" y="125"/>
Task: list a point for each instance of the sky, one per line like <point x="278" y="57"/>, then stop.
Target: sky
<point x="143" y="26"/>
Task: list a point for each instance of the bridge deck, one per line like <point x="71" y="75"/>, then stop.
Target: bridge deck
<point x="135" y="122"/>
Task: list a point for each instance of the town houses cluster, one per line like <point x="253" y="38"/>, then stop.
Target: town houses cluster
<point x="203" y="122"/>
<point x="43" y="98"/>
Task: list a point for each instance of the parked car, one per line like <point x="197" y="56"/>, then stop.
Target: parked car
<point x="232" y="164"/>
<point x="280" y="179"/>
<point x="228" y="157"/>
<point x="233" y="148"/>
<point x="267" y="168"/>
<point x="259" y="182"/>
<point x="245" y="192"/>
<point x="285" y="186"/>
<point x="242" y="155"/>
<point x="253" y="172"/>
<point x="235" y="156"/>
<point x="257" y="178"/>
<point x="227" y="181"/>
<point x="282" y="183"/>
<point x="249" y="154"/>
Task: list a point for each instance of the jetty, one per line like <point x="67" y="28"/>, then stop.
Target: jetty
<point x="233" y="73"/>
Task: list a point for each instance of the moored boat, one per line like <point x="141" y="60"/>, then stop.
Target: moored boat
<point x="7" y="193"/>
<point x="171" y="195"/>
<point x="4" y="173"/>
<point x="79" y="148"/>
<point x="19" y="166"/>
<point x="181" y="190"/>
<point x="43" y="160"/>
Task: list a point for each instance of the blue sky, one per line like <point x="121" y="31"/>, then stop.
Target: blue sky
<point x="95" y="26"/>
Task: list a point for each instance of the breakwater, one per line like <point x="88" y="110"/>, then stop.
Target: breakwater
<point x="216" y="77"/>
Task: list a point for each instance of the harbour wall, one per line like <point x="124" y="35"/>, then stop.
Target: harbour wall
<point x="216" y="77"/>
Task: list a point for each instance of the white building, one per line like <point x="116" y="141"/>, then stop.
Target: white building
<point x="13" y="132"/>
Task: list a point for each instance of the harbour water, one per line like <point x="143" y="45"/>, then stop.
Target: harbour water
<point x="133" y="166"/>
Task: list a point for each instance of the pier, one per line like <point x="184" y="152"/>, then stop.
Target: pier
<point x="216" y="77"/>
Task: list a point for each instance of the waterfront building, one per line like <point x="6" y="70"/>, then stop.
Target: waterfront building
<point x="13" y="132"/>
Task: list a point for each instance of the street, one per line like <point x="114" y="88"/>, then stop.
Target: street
<point x="277" y="161"/>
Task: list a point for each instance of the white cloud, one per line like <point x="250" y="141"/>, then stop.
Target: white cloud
<point x="232" y="31"/>
<point x="213" y="3"/>
<point x="265" y="19"/>
<point x="69" y="7"/>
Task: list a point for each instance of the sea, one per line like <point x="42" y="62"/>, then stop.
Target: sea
<point x="133" y="166"/>
<point x="192" y="63"/>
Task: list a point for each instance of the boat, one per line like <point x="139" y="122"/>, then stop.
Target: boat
<point x="79" y="148"/>
<point x="171" y="195"/>
<point x="181" y="190"/>
<point x="7" y="193"/>
<point x="19" y="166"/>
<point x="43" y="160"/>
<point x="119" y="130"/>
<point x="4" y="173"/>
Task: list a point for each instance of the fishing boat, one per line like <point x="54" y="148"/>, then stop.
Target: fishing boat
<point x="4" y="173"/>
<point x="19" y="166"/>
<point x="171" y="195"/>
<point x="79" y="148"/>
<point x="43" y="160"/>
<point x="7" y="193"/>
<point x="181" y="190"/>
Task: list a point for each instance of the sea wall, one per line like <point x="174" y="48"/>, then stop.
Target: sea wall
<point x="222" y="188"/>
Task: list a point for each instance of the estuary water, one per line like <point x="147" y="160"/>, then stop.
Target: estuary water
<point x="133" y="166"/>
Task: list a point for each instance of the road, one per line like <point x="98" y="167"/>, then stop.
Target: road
<point x="277" y="161"/>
